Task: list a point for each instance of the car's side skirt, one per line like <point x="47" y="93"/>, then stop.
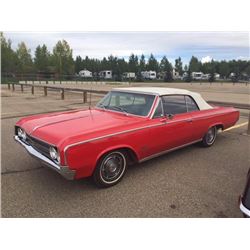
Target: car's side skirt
<point x="167" y="151"/>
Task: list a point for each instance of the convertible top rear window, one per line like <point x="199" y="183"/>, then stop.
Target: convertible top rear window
<point x="127" y="102"/>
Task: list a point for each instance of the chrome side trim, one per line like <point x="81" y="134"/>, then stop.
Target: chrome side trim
<point x="167" y="151"/>
<point x="114" y="134"/>
<point x="106" y="136"/>
<point x="63" y="170"/>
<point x="244" y="209"/>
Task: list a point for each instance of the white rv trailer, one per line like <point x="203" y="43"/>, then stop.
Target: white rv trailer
<point x="149" y="74"/>
<point x="217" y="76"/>
<point x="207" y="76"/>
<point x="85" y="73"/>
<point x="106" y="74"/>
<point x="128" y="75"/>
<point x="176" y="75"/>
<point x="197" y="75"/>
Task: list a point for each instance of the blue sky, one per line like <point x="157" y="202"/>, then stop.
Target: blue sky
<point x="204" y="45"/>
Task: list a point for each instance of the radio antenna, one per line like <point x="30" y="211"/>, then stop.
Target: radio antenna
<point x="90" y="97"/>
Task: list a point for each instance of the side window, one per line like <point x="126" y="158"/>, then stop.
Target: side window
<point x="174" y="104"/>
<point x="158" y="111"/>
<point x="191" y="105"/>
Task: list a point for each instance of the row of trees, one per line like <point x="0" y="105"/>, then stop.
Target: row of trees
<point x="60" y="61"/>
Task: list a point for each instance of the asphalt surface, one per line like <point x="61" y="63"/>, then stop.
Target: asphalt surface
<point x="190" y="182"/>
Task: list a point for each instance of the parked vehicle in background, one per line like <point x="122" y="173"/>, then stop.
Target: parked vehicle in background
<point x="197" y="75"/>
<point x="148" y="75"/>
<point x="216" y="76"/>
<point x="105" y="74"/>
<point x="85" y="73"/>
<point x="244" y="200"/>
<point x="128" y="75"/>
<point x="205" y="77"/>
<point x="176" y="75"/>
<point x="129" y="125"/>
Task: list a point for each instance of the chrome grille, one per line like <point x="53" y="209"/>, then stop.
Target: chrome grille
<point x="38" y="145"/>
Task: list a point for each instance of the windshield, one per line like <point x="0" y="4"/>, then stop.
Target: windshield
<point x="130" y="103"/>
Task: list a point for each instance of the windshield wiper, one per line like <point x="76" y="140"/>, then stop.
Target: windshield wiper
<point x="102" y="106"/>
<point x="120" y="108"/>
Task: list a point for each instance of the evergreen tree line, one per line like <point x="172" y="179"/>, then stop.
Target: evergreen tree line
<point x="60" y="62"/>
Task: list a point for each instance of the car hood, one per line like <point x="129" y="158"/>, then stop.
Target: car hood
<point x="74" y="126"/>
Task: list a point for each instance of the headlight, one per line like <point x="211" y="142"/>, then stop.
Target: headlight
<point x="21" y="133"/>
<point x="24" y="135"/>
<point x="54" y="154"/>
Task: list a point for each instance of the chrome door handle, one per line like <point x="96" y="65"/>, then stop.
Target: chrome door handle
<point x="189" y="120"/>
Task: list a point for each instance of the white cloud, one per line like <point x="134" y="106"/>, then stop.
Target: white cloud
<point x="206" y="59"/>
<point x="218" y="45"/>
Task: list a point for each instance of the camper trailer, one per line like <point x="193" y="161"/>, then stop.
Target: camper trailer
<point x="150" y="75"/>
<point x="197" y="75"/>
<point x="216" y="76"/>
<point x="176" y="75"/>
<point x="105" y="74"/>
<point x="128" y="75"/>
<point x="85" y="73"/>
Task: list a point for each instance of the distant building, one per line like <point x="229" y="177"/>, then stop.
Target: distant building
<point x="128" y="75"/>
<point x="106" y="74"/>
<point x="85" y="73"/>
<point x="149" y="74"/>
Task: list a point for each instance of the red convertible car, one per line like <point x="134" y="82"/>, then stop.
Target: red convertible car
<point x="128" y="125"/>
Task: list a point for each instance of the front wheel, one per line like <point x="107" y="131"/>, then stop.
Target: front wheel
<point x="209" y="138"/>
<point x="110" y="169"/>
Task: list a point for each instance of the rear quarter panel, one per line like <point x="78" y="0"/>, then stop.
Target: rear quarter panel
<point x="218" y="116"/>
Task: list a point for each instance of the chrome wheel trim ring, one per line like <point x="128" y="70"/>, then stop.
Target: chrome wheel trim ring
<point x="115" y="163"/>
<point x="211" y="135"/>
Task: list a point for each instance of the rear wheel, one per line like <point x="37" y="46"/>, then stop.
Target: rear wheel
<point x="110" y="169"/>
<point x="209" y="138"/>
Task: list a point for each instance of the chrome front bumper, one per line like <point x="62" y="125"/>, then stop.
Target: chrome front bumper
<point x="67" y="173"/>
<point x="243" y="209"/>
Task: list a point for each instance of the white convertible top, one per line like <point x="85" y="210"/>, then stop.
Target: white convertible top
<point x="203" y="105"/>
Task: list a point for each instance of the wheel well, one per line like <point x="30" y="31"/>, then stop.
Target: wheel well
<point x="219" y="126"/>
<point x="131" y="155"/>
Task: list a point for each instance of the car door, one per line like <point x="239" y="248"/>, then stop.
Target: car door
<point x="173" y="124"/>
